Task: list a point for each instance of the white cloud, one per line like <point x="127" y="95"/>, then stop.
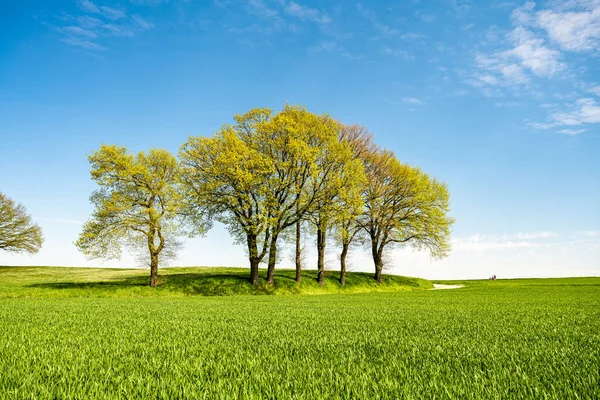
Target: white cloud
<point x="536" y="235"/>
<point x="382" y="28"/>
<point x="595" y="90"/>
<point x="306" y="13"/>
<point x="278" y="13"/>
<point x="538" y="48"/>
<point x="571" y="132"/>
<point x="84" y="44"/>
<point x="519" y="240"/>
<point x="389" y="51"/>
<point x="88" y="6"/>
<point x="260" y="8"/>
<point x="506" y="104"/>
<point x="385" y="29"/>
<point x="89" y="32"/>
<point x="141" y="22"/>
<point x="427" y="17"/>
<point x="574" y="31"/>
<point x="584" y="111"/>
<point x="112" y="13"/>
<point x="532" y="54"/>
<point x="413" y="100"/>
<point x="108" y="12"/>
<point x="325" y="46"/>
<point x="482" y="243"/>
<point x="79" y="31"/>
<point x="411" y="36"/>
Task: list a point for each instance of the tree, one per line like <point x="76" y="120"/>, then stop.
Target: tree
<point x="137" y="204"/>
<point x="404" y="206"/>
<point x="259" y="176"/>
<point x="340" y="198"/>
<point x="297" y="141"/>
<point x="346" y="223"/>
<point x="225" y="178"/>
<point x="17" y="232"/>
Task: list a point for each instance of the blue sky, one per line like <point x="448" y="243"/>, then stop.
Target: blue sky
<point x="499" y="99"/>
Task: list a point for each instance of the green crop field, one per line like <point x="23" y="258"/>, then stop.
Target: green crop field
<point x="101" y="334"/>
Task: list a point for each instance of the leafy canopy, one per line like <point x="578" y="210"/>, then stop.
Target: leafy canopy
<point x="17" y="232"/>
<point x="137" y="204"/>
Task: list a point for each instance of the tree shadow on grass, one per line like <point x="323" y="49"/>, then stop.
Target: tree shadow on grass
<point x="203" y="284"/>
<point x="220" y="283"/>
<point x="115" y="284"/>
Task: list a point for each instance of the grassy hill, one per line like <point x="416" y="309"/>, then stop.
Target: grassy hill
<point x="56" y="282"/>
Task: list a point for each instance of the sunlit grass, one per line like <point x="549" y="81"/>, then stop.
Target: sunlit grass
<point x="52" y="282"/>
<point x="489" y="340"/>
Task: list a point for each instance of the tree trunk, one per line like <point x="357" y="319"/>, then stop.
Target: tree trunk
<point x="378" y="270"/>
<point x="254" y="272"/>
<point x="298" y="255"/>
<point x="272" y="260"/>
<point x="153" y="270"/>
<point x="321" y="237"/>
<point x="253" y="256"/>
<point x="377" y="260"/>
<point x="153" y="257"/>
<point x="343" y="263"/>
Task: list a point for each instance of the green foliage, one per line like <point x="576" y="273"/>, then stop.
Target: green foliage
<point x="404" y="206"/>
<point x="269" y="171"/>
<point x="17" y="232"/>
<point x="489" y="341"/>
<point x="265" y="172"/>
<point x="136" y="206"/>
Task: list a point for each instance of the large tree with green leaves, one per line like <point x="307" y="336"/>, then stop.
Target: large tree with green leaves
<point x="17" y="232"/>
<point x="300" y="144"/>
<point x="260" y="176"/>
<point x="346" y="221"/>
<point x="340" y="197"/>
<point x="404" y="206"/>
<point x="225" y="178"/>
<point x="138" y="204"/>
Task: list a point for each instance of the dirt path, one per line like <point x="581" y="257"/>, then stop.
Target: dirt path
<point x="438" y="286"/>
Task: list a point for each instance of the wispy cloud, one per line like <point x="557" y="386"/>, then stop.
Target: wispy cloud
<point x="82" y="43"/>
<point x="573" y="30"/>
<point x="79" y="31"/>
<point x="260" y="8"/>
<point x="496" y="242"/>
<point x="96" y="23"/>
<point x="427" y="17"/>
<point x="582" y="111"/>
<point x="330" y="46"/>
<point x="539" y="46"/>
<point x="88" y="6"/>
<point x="536" y="235"/>
<point x="382" y="28"/>
<point x="108" y="12"/>
<point x="413" y="100"/>
<point x="285" y="15"/>
<point x="390" y="51"/>
<point x="305" y="13"/>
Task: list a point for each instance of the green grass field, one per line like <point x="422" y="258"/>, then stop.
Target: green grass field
<point x="54" y="282"/>
<point x="75" y="333"/>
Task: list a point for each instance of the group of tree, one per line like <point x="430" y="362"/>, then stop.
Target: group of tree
<point x="265" y="177"/>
